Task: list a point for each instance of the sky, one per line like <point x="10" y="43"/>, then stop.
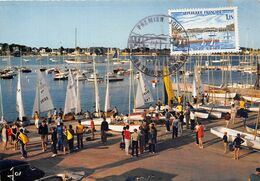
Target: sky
<point x="106" y="23"/>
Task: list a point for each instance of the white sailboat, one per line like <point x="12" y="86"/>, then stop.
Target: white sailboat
<point x="43" y="101"/>
<point x="19" y="99"/>
<point x="143" y="93"/>
<point x="71" y="97"/>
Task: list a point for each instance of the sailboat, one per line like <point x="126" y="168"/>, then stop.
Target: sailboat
<point x="71" y="96"/>
<point x="143" y="94"/>
<point x="19" y="101"/>
<point x="43" y="100"/>
<point x="98" y="120"/>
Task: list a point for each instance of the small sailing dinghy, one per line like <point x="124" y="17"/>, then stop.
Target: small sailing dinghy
<point x="232" y="134"/>
<point x="251" y="128"/>
<point x="119" y="127"/>
<point x="43" y="101"/>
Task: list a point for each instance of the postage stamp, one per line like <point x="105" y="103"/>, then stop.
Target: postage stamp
<point x="150" y="43"/>
<point x="210" y="30"/>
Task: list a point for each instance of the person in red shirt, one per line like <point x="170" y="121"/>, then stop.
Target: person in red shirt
<point x="200" y="134"/>
<point x="127" y="136"/>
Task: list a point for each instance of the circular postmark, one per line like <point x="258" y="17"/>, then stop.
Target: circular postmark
<point x="156" y="42"/>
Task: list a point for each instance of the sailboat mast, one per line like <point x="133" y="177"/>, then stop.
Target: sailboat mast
<point x="130" y="88"/>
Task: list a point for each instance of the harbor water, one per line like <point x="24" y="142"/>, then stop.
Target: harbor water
<point x="119" y="91"/>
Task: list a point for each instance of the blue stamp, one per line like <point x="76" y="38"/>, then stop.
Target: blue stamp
<point x="210" y="30"/>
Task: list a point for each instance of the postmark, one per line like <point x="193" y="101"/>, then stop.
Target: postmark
<point x="210" y="30"/>
<point x="151" y="43"/>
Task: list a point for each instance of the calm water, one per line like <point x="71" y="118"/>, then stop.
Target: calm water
<point x="119" y="91"/>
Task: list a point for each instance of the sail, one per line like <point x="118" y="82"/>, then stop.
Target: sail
<point x="44" y="93"/>
<point x="1" y="104"/>
<point x="139" y="99"/>
<point x="78" y="107"/>
<point x="96" y="87"/>
<point x="145" y="90"/>
<point x="43" y="101"/>
<point x="194" y="87"/>
<point x="168" y="86"/>
<point x="107" y="100"/>
<point x="36" y="106"/>
<point x="19" y="100"/>
<point x="70" y="101"/>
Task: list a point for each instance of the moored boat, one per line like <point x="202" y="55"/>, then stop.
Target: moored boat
<point x="232" y="134"/>
<point x="218" y="108"/>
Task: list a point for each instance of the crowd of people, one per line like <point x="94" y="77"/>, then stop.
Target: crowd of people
<point x="140" y="140"/>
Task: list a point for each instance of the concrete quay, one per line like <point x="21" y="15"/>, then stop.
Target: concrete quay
<point x="175" y="159"/>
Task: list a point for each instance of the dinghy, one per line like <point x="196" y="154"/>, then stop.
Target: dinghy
<point x="119" y="127"/>
<point x="215" y="107"/>
<point x="252" y="99"/>
<point x="251" y="128"/>
<point x="97" y="121"/>
<point x="232" y="134"/>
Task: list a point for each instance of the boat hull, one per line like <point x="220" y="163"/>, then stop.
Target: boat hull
<point x="119" y="128"/>
<point x="252" y="99"/>
<point x="248" y="138"/>
<point x="223" y="109"/>
<point x="251" y="129"/>
<point x="97" y="121"/>
<point x="222" y="95"/>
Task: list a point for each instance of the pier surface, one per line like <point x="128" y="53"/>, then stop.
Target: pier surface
<point x="178" y="159"/>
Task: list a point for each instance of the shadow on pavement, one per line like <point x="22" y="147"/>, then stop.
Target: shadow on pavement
<point x="141" y="174"/>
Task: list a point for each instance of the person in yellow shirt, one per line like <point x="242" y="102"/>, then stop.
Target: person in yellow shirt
<point x="79" y="132"/>
<point x="242" y="104"/>
<point x="179" y="108"/>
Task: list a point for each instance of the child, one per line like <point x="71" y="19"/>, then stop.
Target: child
<point x="225" y="140"/>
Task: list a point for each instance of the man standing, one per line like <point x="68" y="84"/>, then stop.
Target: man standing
<point x="79" y="132"/>
<point x="104" y="129"/>
<point x="255" y="176"/>
<point x="43" y="131"/>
